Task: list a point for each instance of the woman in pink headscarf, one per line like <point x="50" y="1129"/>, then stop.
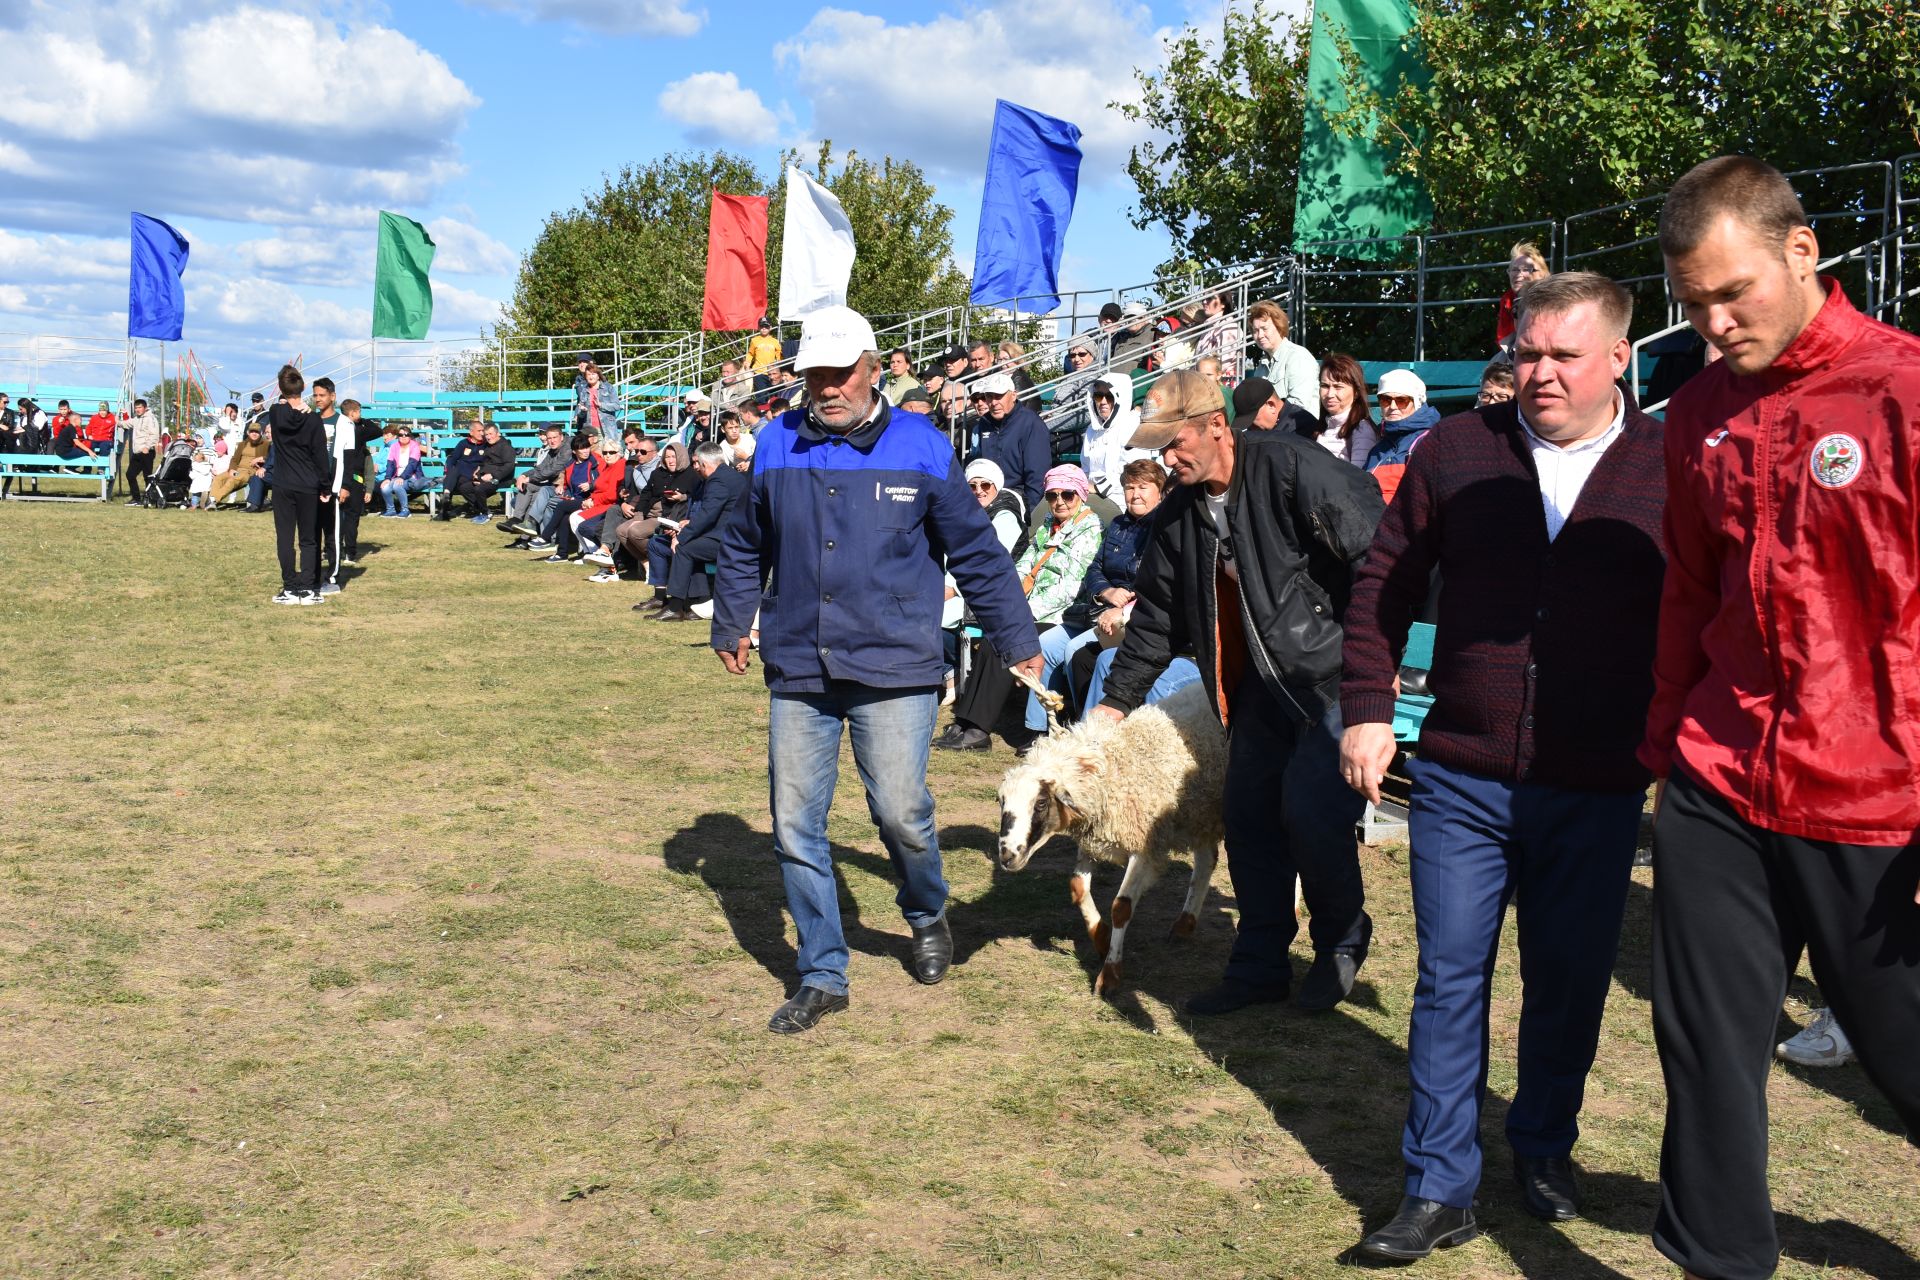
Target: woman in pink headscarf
<point x="1051" y="570"/>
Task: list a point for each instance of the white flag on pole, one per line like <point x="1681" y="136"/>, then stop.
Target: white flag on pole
<point x="816" y="249"/>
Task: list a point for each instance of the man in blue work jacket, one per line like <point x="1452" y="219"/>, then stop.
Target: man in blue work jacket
<point x="855" y="506"/>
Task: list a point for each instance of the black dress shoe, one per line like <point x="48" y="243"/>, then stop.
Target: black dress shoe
<point x="1330" y="978"/>
<point x="1418" y="1229"/>
<point x="949" y="736"/>
<point x="966" y="740"/>
<point x="1229" y="994"/>
<point x="808" y="1006"/>
<point x="1548" y="1187"/>
<point x="672" y="615"/>
<point x="932" y="952"/>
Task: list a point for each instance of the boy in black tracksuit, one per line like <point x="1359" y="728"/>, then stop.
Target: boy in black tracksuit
<point x="300" y="472"/>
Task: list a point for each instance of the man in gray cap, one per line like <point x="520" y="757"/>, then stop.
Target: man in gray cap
<point x="1012" y="435"/>
<point x="1250" y="564"/>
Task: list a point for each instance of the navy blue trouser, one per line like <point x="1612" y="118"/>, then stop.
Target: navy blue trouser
<point x="689" y="562"/>
<point x="1565" y="857"/>
<point x="1287" y="814"/>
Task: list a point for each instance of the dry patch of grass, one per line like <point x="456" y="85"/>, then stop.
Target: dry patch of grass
<point x="432" y="933"/>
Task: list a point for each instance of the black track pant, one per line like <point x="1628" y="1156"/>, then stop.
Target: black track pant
<point x="296" y="519"/>
<point x="339" y="533"/>
<point x="1733" y="906"/>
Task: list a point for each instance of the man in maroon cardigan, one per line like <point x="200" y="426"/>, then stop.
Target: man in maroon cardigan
<point x="1544" y="515"/>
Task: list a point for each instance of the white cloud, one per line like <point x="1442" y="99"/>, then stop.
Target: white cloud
<point x="249" y="114"/>
<point x="464" y="249"/>
<point x="12" y="298"/>
<point x="925" y="91"/>
<point x="608" y="17"/>
<point x="715" y="107"/>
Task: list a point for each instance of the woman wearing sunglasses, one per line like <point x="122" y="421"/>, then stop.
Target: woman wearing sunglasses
<point x="1405" y="416"/>
<point x="1051" y="570"/>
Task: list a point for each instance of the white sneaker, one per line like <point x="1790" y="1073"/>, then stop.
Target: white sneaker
<point x="605" y="575"/>
<point x="312" y="597"/>
<point x="287" y="597"/>
<point x="599" y="557"/>
<point x="1821" y="1043"/>
<point x="329" y="588"/>
<point x="702" y="610"/>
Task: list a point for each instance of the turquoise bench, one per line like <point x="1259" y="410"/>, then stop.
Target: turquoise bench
<point x="1409" y="713"/>
<point x="45" y="466"/>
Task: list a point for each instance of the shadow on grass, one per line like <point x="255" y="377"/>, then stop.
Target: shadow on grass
<point x="1633" y="970"/>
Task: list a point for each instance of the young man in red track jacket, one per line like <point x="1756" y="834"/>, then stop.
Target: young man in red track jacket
<point x="1545" y="512"/>
<point x="1786" y="716"/>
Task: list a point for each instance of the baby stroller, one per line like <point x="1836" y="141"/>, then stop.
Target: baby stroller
<point x="170" y="483"/>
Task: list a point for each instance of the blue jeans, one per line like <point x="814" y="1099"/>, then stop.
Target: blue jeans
<point x="538" y="500"/>
<point x="256" y="491"/>
<point x="1566" y="857"/>
<point x="892" y="731"/>
<point x="1179" y="674"/>
<point x="1057" y="647"/>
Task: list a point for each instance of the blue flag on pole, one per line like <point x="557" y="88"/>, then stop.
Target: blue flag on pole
<point x="1033" y="171"/>
<point x="156" y="302"/>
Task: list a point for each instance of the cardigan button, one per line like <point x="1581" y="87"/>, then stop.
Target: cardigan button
<point x="1528" y="722"/>
<point x="1542" y="613"/>
<point x="1533" y="670"/>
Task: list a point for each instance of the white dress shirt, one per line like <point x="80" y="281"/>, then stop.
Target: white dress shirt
<point x="1564" y="470"/>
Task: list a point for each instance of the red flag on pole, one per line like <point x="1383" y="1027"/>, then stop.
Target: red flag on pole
<point x="736" y="263"/>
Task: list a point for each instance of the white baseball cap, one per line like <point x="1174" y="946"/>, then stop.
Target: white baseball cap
<point x="833" y="338"/>
<point x="994" y="384"/>
<point x="697" y="397"/>
<point x="1402" y="382"/>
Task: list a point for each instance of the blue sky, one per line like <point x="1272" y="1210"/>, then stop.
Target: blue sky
<point x="270" y="132"/>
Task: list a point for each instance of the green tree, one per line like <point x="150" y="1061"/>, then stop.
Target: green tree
<point x="1220" y="177"/>
<point x="1541" y="110"/>
<point x="173" y="393"/>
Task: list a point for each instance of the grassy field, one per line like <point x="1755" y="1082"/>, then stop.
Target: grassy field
<point x="433" y="932"/>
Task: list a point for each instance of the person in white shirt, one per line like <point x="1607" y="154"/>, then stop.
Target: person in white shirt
<point x="1111" y="420"/>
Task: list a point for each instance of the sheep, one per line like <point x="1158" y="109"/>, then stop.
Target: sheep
<point x="1131" y="792"/>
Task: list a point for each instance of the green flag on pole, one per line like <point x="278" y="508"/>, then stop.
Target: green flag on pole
<point x="1345" y="191"/>
<point x="402" y="295"/>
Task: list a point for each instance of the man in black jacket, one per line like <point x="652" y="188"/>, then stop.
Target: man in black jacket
<point x="696" y="543"/>
<point x="461" y="461"/>
<point x="536" y="491"/>
<point x="492" y="471"/>
<point x="1250" y="564"/>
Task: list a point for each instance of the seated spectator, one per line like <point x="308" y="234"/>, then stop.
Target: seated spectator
<point x="462" y="457"/>
<point x="932" y="378"/>
<point x="750" y="417"/>
<point x="1134" y="337"/>
<point x="574" y="487"/>
<point x="1005" y="511"/>
<point x="697" y="428"/>
<point x="1496" y="383"/>
<point x="744" y="447"/>
<point x="492" y="473"/>
<point x="1220" y="338"/>
<point x="954" y="416"/>
<point x="66" y="435"/>
<point x="260" y="483"/>
<point x="696" y="543"/>
<point x="899" y="379"/>
<point x="1290" y="367"/>
<point x="734" y="386"/>
<point x="979" y="358"/>
<point x="664" y="497"/>
<point x="604" y="529"/>
<point x="101" y="426"/>
<point x="534" y="490"/>
<point x="1256" y="405"/>
<point x="1525" y="264"/>
<point x="247" y="460"/>
<point x="1012" y="435"/>
<point x="402" y="474"/>
<point x="1011" y="358"/>
<point x="1405" y="416"/>
<point x="1347" y="430"/>
<point x="1108" y="591"/>
<point x="1112" y="420"/>
<point x="1051" y="571"/>
<point x="916" y="401"/>
<point x="731" y="434"/>
<point x="582" y="522"/>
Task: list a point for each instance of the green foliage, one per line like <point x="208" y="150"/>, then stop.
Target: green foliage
<point x="1543" y="110"/>
<point x="1222" y="182"/>
<point x="633" y="255"/>
<point x="172" y="392"/>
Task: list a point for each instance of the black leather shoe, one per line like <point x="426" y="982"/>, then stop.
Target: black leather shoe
<point x="1418" y="1229"/>
<point x="808" y="1006"/>
<point x="1330" y="978"/>
<point x="966" y="740"/>
<point x="1230" y="994"/>
<point x="1548" y="1187"/>
<point x="949" y="737"/>
<point x="932" y="952"/>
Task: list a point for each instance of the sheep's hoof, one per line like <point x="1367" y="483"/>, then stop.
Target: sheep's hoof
<point x="1102" y="935"/>
<point x="1184" y="926"/>
<point x="1109" y="980"/>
